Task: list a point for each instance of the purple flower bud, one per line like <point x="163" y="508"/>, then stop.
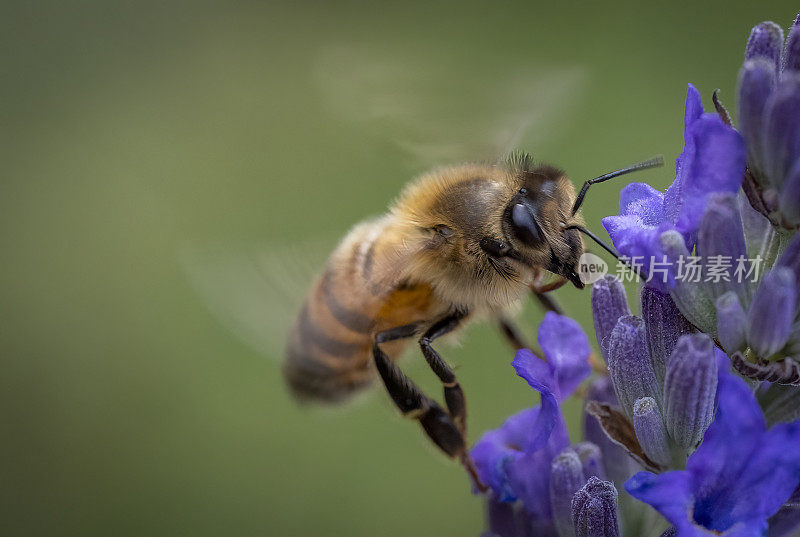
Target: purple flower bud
<point x="766" y="41"/>
<point x="664" y="324"/>
<point x="650" y="430"/>
<point x="731" y="323"/>
<point x="790" y="258"/>
<point x="507" y="520"/>
<point x="782" y="128"/>
<point x="785" y="522"/>
<point x="689" y="390"/>
<point x="609" y="303"/>
<point x="790" y="197"/>
<point x="791" y="54"/>
<point x="566" y="478"/>
<point x="780" y="404"/>
<point x="617" y="464"/>
<point x="591" y="459"/>
<point x="629" y="363"/>
<point x="721" y="235"/>
<point x="691" y="298"/>
<point x="772" y="312"/>
<point x="594" y="510"/>
<point x="756" y="82"/>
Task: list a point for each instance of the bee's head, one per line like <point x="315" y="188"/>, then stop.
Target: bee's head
<point x="490" y="230"/>
<point x="536" y="218"/>
<point x="495" y="228"/>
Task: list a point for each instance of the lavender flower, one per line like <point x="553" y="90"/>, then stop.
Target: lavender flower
<point x="713" y="161"/>
<point x="594" y="510"/>
<point x="769" y="116"/>
<point x="740" y="475"/>
<point x="528" y="462"/>
<point x="750" y="306"/>
<point x="669" y="412"/>
<point x="719" y="454"/>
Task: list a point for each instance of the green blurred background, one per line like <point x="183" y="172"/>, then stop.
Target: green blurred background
<point x="133" y="131"/>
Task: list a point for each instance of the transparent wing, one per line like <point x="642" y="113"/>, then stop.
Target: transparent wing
<point x="431" y="117"/>
<point x="255" y="291"/>
<point x="436" y="119"/>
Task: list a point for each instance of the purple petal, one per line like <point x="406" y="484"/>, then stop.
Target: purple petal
<point x="669" y="493"/>
<point x="718" y="166"/>
<point x="643" y="201"/>
<point x="496" y="449"/>
<point x="529" y="475"/>
<point x="536" y="372"/>
<point x="738" y="416"/>
<point x="694" y="107"/>
<point x="747" y="480"/>
<point x="772" y="474"/>
<point x="538" y="375"/>
<point x="492" y="456"/>
<point x="567" y="351"/>
<point x="640" y="206"/>
<point x="673" y="199"/>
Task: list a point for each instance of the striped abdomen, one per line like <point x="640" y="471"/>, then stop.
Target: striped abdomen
<point x="329" y="351"/>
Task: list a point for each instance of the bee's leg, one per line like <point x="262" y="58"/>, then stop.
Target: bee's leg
<point x="542" y="293"/>
<point x="511" y="334"/>
<point x="453" y="394"/>
<point x="552" y="286"/>
<point x="548" y="302"/>
<point x="436" y="423"/>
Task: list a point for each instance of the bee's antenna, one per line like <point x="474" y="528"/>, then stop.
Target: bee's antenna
<point x="606" y="247"/>
<point x="652" y="163"/>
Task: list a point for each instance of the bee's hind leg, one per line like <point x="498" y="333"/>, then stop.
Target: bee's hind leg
<point x="437" y="424"/>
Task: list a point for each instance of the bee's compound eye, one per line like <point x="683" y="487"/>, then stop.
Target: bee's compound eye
<point x="443" y="230"/>
<point x="524" y="225"/>
<point x="494" y="247"/>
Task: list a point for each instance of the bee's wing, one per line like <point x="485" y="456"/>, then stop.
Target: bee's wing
<point x="255" y="291"/>
<point x="436" y="119"/>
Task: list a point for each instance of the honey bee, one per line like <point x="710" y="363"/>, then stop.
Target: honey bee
<point x="460" y="243"/>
